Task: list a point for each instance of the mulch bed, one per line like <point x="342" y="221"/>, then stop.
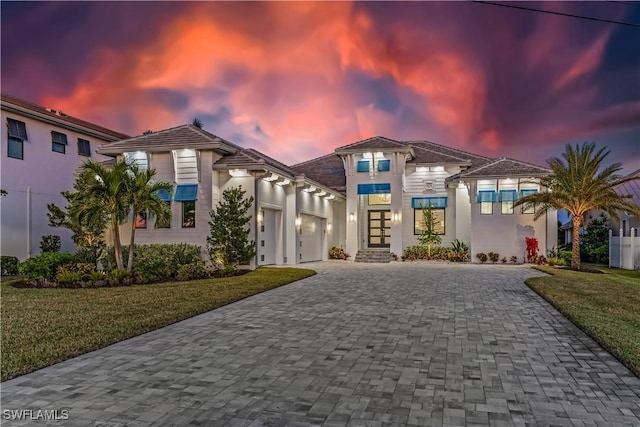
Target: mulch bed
<point x="47" y="284"/>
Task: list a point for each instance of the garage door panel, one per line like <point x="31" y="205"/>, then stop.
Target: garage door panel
<point x="310" y="238"/>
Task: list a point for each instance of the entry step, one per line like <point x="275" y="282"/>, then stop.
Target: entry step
<point x="373" y="255"/>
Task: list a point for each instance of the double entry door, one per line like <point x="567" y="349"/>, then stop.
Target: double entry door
<point x="379" y="228"/>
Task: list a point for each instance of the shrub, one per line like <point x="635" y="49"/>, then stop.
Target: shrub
<point x="540" y="260"/>
<point x="8" y="265"/>
<point x="553" y="261"/>
<point x="482" y="257"/>
<point x="565" y="255"/>
<point x="94" y="275"/>
<point x="156" y="261"/>
<point x="532" y="248"/>
<point x="601" y="254"/>
<point x="504" y="260"/>
<point x="68" y="277"/>
<point x="118" y="275"/>
<point x="50" y="243"/>
<point x="494" y="256"/>
<point x="195" y="270"/>
<point x="459" y="252"/>
<point x="513" y="259"/>
<point x="44" y="266"/>
<point x="338" y="253"/>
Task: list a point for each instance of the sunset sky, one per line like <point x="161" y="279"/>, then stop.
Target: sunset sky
<point x="296" y="80"/>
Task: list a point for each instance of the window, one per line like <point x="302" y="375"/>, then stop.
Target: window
<point x="486" y="198"/>
<point x="418" y="221"/>
<point x="141" y="219"/>
<point x="17" y="132"/>
<point x="189" y="214"/>
<point x="58" y="142"/>
<point x="384" y="165"/>
<point x="363" y="166"/>
<point x="528" y="208"/>
<point x="507" y="199"/>
<point x="84" y="147"/>
<point x="16" y="149"/>
<point x="380" y="199"/>
<point x="17" y="129"/>
<point x="164" y="224"/>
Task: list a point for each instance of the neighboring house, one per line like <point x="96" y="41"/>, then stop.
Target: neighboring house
<point x="41" y="150"/>
<point x="386" y="182"/>
<point x="627" y="220"/>
<point x="295" y="219"/>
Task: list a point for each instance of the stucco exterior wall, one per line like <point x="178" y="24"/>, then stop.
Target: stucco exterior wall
<point x="505" y="233"/>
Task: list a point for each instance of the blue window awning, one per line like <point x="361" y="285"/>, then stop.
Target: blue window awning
<point x="508" y="195"/>
<point x="384" y="165"/>
<point x="374" y="188"/>
<point x="164" y="195"/>
<point x="186" y="193"/>
<point x="424" y="202"/>
<point x="527" y="192"/>
<point x="486" y="196"/>
<point x="363" y="166"/>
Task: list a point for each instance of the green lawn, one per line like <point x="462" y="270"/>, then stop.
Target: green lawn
<point x="606" y="306"/>
<point x="43" y="326"/>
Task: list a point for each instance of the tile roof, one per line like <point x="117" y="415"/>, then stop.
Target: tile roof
<point x="373" y="143"/>
<point x="247" y="158"/>
<point x="184" y="136"/>
<point x="327" y="170"/>
<point x="503" y="167"/>
<point x="57" y="117"/>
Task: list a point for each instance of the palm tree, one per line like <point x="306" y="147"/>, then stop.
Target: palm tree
<point x="579" y="183"/>
<point x="143" y="193"/>
<point x="107" y="194"/>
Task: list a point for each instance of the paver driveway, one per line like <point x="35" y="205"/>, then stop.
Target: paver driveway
<point x="397" y="344"/>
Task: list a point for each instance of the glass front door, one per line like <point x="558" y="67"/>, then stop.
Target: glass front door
<point x="379" y="229"/>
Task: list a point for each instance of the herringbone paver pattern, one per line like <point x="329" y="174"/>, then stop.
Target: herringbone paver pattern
<point x="357" y="345"/>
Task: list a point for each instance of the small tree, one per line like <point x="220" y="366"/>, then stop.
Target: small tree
<point x="428" y="236"/>
<point x="50" y="243"/>
<point x="594" y="242"/>
<point x="229" y="244"/>
<point x="88" y="231"/>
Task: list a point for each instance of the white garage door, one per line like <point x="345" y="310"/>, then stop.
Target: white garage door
<point x="267" y="238"/>
<point x="310" y="238"/>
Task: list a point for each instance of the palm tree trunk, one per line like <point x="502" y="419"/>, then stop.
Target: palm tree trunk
<point x="131" y="244"/>
<point x="575" y="243"/>
<point x="117" y="246"/>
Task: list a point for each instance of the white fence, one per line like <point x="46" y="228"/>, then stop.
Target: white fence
<point x="624" y="252"/>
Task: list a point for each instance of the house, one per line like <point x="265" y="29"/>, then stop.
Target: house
<point x="295" y="218"/>
<point x="40" y="151"/>
<point x="387" y="182"/>
<point x="366" y="196"/>
<point x="628" y="221"/>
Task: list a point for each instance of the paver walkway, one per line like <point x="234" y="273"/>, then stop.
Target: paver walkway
<point x="370" y="345"/>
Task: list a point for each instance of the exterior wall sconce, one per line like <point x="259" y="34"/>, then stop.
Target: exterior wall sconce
<point x="329" y="226"/>
<point x="352" y="217"/>
<point x="260" y="216"/>
<point x="396" y="217"/>
<point x="298" y="222"/>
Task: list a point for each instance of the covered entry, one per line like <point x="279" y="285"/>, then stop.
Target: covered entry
<point x="310" y="238"/>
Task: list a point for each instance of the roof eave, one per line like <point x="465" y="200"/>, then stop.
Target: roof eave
<point x="61" y="122"/>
